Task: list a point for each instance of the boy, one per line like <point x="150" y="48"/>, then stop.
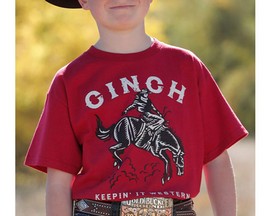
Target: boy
<point x="101" y="157"/>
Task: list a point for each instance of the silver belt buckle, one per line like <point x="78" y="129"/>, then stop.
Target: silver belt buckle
<point x="147" y="206"/>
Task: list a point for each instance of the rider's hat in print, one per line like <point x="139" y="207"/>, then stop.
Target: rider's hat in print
<point x="144" y="91"/>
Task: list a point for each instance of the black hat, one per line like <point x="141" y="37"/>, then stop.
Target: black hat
<point x="65" y="3"/>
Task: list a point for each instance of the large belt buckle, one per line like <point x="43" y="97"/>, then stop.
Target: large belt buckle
<point x="151" y="206"/>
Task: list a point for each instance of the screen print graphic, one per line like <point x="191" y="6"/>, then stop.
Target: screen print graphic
<point x="148" y="132"/>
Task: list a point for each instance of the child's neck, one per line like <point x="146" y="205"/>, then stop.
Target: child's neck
<point x="124" y="41"/>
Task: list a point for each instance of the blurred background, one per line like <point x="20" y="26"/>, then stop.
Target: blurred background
<point x="220" y="32"/>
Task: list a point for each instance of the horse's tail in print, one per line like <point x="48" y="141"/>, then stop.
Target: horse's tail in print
<point x="102" y="132"/>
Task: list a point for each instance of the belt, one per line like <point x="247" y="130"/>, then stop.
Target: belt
<point x="95" y="208"/>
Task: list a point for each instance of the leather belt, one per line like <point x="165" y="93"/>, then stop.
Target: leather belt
<point x="95" y="208"/>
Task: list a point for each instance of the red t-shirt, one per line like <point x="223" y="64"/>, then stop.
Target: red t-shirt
<point x="134" y="125"/>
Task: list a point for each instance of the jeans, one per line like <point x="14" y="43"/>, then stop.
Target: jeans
<point x="81" y="214"/>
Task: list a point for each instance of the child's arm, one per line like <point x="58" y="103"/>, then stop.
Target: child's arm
<point x="58" y="193"/>
<point x="220" y="183"/>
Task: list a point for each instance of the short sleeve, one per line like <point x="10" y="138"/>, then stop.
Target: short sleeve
<point x="54" y="144"/>
<point x="221" y="127"/>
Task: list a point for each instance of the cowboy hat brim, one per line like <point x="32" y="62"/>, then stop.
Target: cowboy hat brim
<point x="65" y="3"/>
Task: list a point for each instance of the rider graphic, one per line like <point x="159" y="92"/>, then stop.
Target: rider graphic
<point x="146" y="107"/>
<point x="147" y="132"/>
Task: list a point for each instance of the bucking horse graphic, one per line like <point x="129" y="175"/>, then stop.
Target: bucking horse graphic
<point x="148" y="132"/>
